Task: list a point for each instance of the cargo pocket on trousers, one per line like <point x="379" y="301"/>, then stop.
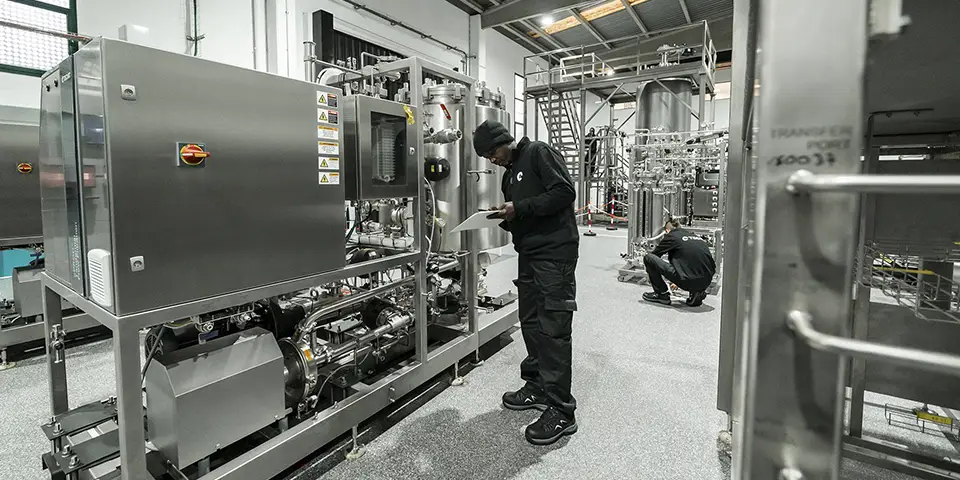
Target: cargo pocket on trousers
<point x="558" y="283"/>
<point x="557" y="319"/>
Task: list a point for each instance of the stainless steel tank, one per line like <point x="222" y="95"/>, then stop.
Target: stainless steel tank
<point x="443" y="108"/>
<point x="660" y="108"/>
<point x="490" y="106"/>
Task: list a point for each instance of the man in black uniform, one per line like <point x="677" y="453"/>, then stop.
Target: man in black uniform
<point x="691" y="265"/>
<point x="538" y="212"/>
<point x="593" y="145"/>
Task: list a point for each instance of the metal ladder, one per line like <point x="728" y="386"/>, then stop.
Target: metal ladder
<point x="560" y="114"/>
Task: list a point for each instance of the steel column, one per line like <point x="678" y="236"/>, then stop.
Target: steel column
<point x="56" y="370"/>
<point x="473" y="49"/>
<point x="583" y="183"/>
<point x="793" y="407"/>
<point x="419" y="300"/>
<point x="126" y="357"/>
<point x="861" y="302"/>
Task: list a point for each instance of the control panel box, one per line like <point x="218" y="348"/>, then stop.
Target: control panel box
<point x="381" y="142"/>
<point x="170" y="179"/>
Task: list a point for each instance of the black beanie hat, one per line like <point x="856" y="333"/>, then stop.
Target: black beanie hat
<point x="490" y="135"/>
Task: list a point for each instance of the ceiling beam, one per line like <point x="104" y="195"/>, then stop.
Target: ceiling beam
<point x="517" y="10"/>
<point x="590" y="28"/>
<point x="686" y="12"/>
<point x="471" y="5"/>
<point x="509" y="28"/>
<point x="544" y="35"/>
<point x="634" y="15"/>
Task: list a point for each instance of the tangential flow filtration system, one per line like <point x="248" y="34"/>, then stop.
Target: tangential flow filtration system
<point x="286" y="244"/>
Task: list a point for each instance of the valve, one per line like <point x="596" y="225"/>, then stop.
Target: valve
<point x="57" y="342"/>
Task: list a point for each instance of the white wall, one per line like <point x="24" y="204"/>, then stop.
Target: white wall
<point x="226" y="24"/>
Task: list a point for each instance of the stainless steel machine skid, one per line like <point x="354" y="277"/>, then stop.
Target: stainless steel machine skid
<point x="292" y="443"/>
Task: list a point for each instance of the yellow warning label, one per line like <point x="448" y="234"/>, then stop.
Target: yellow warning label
<point x="328" y="148"/>
<point x="935" y="418"/>
<point x="410" y="119"/>
<point x="329" y="178"/>
<point x="328" y="133"/>
<point x="329" y="163"/>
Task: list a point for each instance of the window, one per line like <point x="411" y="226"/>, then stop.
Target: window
<point x="31" y="53"/>
<point x="519" y="108"/>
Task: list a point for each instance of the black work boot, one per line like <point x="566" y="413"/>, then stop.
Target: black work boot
<point x="552" y="425"/>
<point x="524" y="399"/>
<point x="696" y="298"/>
<point x="661" y="298"/>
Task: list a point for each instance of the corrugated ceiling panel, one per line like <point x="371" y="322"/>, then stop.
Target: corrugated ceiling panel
<point x="576" y="36"/>
<point x="661" y="14"/>
<point x="709" y="9"/>
<point x="616" y="25"/>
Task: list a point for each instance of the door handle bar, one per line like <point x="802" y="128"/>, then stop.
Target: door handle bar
<point x="801" y="323"/>
<point x="804" y="181"/>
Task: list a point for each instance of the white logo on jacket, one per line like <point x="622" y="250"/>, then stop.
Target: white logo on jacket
<point x="519" y="176"/>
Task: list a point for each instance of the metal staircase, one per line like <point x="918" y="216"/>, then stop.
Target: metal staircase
<point x="560" y="111"/>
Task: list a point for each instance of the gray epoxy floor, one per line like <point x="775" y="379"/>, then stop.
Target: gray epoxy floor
<point x="644" y="377"/>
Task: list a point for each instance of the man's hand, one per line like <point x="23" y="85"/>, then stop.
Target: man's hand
<point x="505" y="211"/>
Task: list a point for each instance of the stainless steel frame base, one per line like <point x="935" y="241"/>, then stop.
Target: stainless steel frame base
<point x="272" y="457"/>
<point x="18" y="335"/>
<point x="899" y="460"/>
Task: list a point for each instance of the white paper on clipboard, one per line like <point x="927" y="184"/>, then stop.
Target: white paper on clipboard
<point x="477" y="221"/>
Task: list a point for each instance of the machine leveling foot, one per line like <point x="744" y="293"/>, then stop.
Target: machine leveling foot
<point x="4" y="364"/>
<point x="477" y="361"/>
<point x="357" y="450"/>
<point x="457" y="379"/>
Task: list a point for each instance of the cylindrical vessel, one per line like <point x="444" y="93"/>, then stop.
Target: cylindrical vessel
<point x="490" y="106"/>
<point x="659" y="110"/>
<point x="443" y="108"/>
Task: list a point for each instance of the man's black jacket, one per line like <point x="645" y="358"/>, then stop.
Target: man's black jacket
<point x="689" y="255"/>
<point x="542" y="192"/>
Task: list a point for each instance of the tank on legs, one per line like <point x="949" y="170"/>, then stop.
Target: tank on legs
<point x="470" y="176"/>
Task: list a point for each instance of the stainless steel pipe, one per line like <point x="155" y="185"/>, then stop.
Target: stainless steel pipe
<point x="803" y="181"/>
<point x="801" y="323"/>
<point x="306" y="327"/>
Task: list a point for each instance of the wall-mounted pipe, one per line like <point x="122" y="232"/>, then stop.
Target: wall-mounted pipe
<point x="397" y="23"/>
<point x="43" y="31"/>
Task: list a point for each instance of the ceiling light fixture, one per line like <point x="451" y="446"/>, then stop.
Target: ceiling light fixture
<point x="546" y="21"/>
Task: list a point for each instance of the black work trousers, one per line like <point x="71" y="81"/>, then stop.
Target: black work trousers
<point x="547" y="291"/>
<point x="659" y="269"/>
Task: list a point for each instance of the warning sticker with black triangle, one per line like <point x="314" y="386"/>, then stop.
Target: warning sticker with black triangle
<point x="329" y="163"/>
<point x="329" y="178"/>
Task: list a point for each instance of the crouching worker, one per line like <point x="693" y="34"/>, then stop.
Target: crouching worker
<point x="691" y="266"/>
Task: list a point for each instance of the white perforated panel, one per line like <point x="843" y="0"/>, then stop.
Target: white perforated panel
<point x="27" y="49"/>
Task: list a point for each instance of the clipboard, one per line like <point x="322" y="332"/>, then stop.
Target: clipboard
<point x="477" y="221"/>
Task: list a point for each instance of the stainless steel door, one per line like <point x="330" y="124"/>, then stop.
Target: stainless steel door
<point x="19" y="184"/>
<point x="255" y="213"/>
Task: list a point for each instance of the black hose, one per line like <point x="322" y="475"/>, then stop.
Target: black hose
<point x="196" y="32"/>
<point x="151" y="354"/>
